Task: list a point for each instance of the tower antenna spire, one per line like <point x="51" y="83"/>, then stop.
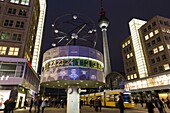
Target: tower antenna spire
<point x="102" y="12"/>
<point x="103" y="24"/>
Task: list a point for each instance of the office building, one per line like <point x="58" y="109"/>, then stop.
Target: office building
<point x="146" y="56"/>
<point x="21" y="28"/>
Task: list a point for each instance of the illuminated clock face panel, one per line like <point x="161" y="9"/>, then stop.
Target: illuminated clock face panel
<point x="72" y="63"/>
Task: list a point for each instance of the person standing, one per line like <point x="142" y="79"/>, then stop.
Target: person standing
<point x="31" y="103"/>
<point x="149" y="106"/>
<point x="96" y="104"/>
<point x="159" y="104"/>
<point x="121" y="104"/>
<point x="43" y="105"/>
<point x="7" y="105"/>
<point x="39" y="104"/>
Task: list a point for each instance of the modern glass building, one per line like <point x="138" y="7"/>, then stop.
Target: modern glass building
<point x="146" y="56"/>
<point x="21" y="29"/>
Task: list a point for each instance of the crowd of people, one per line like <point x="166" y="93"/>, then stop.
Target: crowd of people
<point x="152" y="103"/>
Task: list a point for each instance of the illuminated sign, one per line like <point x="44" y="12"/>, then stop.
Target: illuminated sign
<point x="74" y="62"/>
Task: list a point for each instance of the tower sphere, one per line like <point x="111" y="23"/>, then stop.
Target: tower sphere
<point x="103" y="22"/>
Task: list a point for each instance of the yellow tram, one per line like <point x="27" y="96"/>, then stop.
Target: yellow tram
<point x="109" y="98"/>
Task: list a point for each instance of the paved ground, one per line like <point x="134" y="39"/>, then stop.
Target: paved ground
<point x="87" y="109"/>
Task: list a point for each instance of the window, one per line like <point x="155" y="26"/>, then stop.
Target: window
<point x="8" y="22"/>
<point x="152" y="61"/>
<point x="151" y="52"/>
<point x="22" y="12"/>
<point x="135" y="76"/>
<point x="14" y="1"/>
<point x="161" y="48"/>
<point x="145" y="30"/>
<point x="156" y="31"/>
<point x="12" y="11"/>
<point x="146" y="37"/>
<point x="161" y="22"/>
<point x="19" y="24"/>
<point x="123" y="46"/>
<point x="128" y="77"/>
<point x="154" y="24"/>
<point x="134" y="68"/>
<point x="166" y="67"/>
<point x="153" y="42"/>
<point x="128" y="42"/>
<point x="128" y="56"/>
<point x="163" y="57"/>
<point x="25" y="2"/>
<point x="131" y="76"/>
<point x="148" y="44"/>
<point x="158" y="59"/>
<point x="5" y="36"/>
<point x="168" y="46"/>
<point x="16" y="37"/>
<point x="155" y="70"/>
<point x="158" y="39"/>
<point x="149" y="27"/>
<point x="166" y="38"/>
<point x="161" y="68"/>
<point x="155" y="50"/>
<point x="131" y="54"/>
<point x="13" y="51"/>
<point x="151" y="34"/>
<point x="3" y="50"/>
<point x="163" y="30"/>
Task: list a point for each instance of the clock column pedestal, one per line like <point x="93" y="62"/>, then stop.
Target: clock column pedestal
<point x="73" y="99"/>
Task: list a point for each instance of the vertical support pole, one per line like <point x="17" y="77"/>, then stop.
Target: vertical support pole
<point x="73" y="100"/>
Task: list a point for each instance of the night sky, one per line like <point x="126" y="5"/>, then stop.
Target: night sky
<point x="119" y="13"/>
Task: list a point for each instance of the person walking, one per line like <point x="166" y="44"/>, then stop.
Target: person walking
<point x="96" y="104"/>
<point x="149" y="106"/>
<point x="159" y="104"/>
<point x="31" y="103"/>
<point x="43" y="105"/>
<point x="121" y="104"/>
<point x="7" y="105"/>
<point x="100" y="104"/>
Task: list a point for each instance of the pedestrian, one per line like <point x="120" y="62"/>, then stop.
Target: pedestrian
<point x="100" y="104"/>
<point x="149" y="105"/>
<point x="43" y="105"/>
<point x="159" y="104"/>
<point x="6" y="109"/>
<point x="31" y="103"/>
<point x="39" y="104"/>
<point x="35" y="105"/>
<point x="141" y="102"/>
<point x="96" y="104"/>
<point x="121" y="104"/>
<point x="12" y="105"/>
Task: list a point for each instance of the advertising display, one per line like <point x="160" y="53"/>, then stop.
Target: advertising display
<point x="4" y="95"/>
<point x="72" y="63"/>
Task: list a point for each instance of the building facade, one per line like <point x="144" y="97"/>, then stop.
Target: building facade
<point x="21" y="28"/>
<point x="146" y="56"/>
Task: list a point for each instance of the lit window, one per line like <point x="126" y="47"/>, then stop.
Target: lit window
<point x="161" y="48"/>
<point x="156" y="31"/>
<point x="168" y="46"/>
<point x="25" y="2"/>
<point x="151" y="34"/>
<point x="123" y="46"/>
<point x="131" y="54"/>
<point x="126" y="44"/>
<point x="168" y="31"/>
<point x="131" y="76"/>
<point x="13" y="51"/>
<point x="3" y="50"/>
<point x="14" y="1"/>
<point x="155" y="50"/>
<point x="163" y="30"/>
<point x="128" y="56"/>
<point x="135" y="76"/>
<point x="128" y="77"/>
<point x="166" y="66"/>
<point x="4" y="36"/>
<point x="146" y="37"/>
<point x="128" y="41"/>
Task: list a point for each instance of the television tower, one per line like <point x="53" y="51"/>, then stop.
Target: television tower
<point x="103" y="24"/>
